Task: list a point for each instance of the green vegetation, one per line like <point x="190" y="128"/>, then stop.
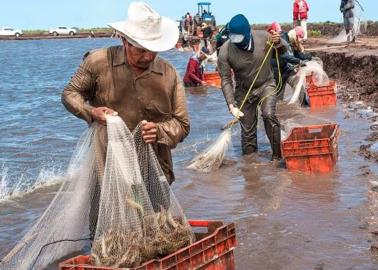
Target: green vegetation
<point x="314" y="33"/>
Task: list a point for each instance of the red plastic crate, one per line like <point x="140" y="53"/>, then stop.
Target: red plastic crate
<point x="322" y="95"/>
<point x="212" y="251"/>
<point x="213" y="79"/>
<point x="311" y="149"/>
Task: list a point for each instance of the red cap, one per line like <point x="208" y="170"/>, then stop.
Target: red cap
<point x="274" y="27"/>
<point x="299" y="32"/>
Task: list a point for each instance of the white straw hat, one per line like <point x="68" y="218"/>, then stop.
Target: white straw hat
<point x="147" y="28"/>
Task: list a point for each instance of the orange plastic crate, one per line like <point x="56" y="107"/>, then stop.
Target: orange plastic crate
<point x="213" y="78"/>
<point x="311" y="149"/>
<point x="212" y="251"/>
<point x="321" y="96"/>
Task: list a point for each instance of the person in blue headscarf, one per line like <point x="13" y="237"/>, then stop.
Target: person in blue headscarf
<point x="243" y="55"/>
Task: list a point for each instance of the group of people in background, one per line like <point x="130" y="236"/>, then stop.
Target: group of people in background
<point x="300" y="15"/>
<point x="295" y="37"/>
<point x="301" y="10"/>
<point x="241" y="52"/>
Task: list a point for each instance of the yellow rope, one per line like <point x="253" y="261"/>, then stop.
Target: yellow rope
<point x="255" y="79"/>
<point x="279" y="84"/>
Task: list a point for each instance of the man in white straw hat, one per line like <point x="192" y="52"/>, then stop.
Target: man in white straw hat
<point x="134" y="82"/>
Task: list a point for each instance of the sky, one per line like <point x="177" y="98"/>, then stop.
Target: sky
<point x="45" y="14"/>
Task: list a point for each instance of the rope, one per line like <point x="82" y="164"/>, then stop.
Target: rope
<point x="279" y="84"/>
<point x="255" y="79"/>
<point x="55" y="242"/>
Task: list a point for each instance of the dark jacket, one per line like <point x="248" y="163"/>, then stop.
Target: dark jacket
<point x="207" y="32"/>
<point x="222" y="37"/>
<point x="290" y="58"/>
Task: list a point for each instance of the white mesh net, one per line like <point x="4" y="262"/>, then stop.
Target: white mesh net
<point x="139" y="217"/>
<point x="343" y="36"/>
<point x="59" y="230"/>
<point x="212" y="157"/>
<point x="319" y="76"/>
<point x="115" y="191"/>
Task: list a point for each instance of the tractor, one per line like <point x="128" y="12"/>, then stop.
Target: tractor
<point x="204" y="15"/>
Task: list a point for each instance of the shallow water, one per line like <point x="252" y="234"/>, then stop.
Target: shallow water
<point x="284" y="220"/>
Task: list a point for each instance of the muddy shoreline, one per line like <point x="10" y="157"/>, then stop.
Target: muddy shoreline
<point x="368" y="29"/>
<point x="355" y="67"/>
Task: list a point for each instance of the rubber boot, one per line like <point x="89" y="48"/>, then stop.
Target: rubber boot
<point x="249" y="145"/>
<point x="273" y="131"/>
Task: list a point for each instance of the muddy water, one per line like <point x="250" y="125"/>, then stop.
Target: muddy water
<point x="290" y="220"/>
<point x="284" y="220"/>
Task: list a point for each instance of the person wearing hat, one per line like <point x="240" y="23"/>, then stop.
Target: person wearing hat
<point x="194" y="71"/>
<point x="243" y="54"/>
<point x="300" y="15"/>
<point x="221" y="37"/>
<point x="207" y="33"/>
<point x="290" y="60"/>
<point x="134" y="82"/>
<point x="296" y="57"/>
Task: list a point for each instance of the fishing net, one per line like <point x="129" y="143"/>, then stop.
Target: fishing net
<point x="63" y="227"/>
<point x="139" y="217"/>
<point x="343" y="36"/>
<point x="212" y="157"/>
<point x="114" y="192"/>
<point x="319" y="77"/>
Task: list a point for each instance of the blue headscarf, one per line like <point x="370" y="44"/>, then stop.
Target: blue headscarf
<point x="240" y="25"/>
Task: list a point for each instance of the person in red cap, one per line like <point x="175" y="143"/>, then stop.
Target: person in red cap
<point x="300" y="15"/>
<point x="274" y="27"/>
<point x="194" y="72"/>
<point x="290" y="60"/>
